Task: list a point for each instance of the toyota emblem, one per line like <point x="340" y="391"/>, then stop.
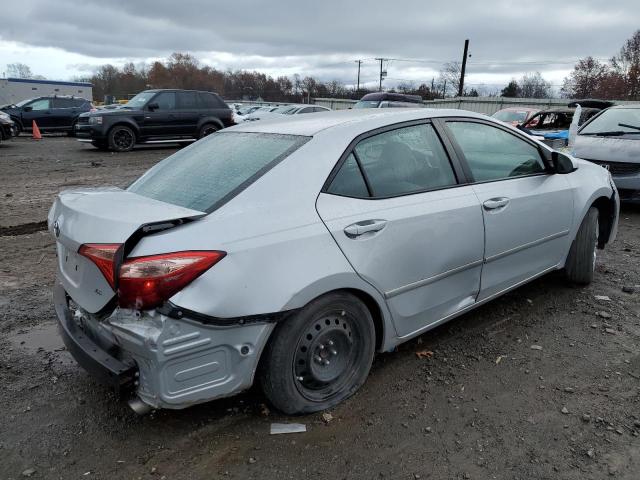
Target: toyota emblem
<point x="56" y="229"/>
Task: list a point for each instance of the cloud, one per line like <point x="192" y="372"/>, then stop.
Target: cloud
<point x="326" y="37"/>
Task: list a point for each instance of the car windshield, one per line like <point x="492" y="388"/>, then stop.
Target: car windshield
<point x="550" y="121"/>
<point x="24" y="102"/>
<point x="510" y="115"/>
<point x="140" y="100"/>
<point x="210" y="172"/>
<point x="367" y="104"/>
<point x="613" y="120"/>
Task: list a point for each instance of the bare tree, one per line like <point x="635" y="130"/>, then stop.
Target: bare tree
<point x="449" y="78"/>
<point x="627" y="65"/>
<point x="585" y="80"/>
<point x="532" y="85"/>
<point x="19" y="70"/>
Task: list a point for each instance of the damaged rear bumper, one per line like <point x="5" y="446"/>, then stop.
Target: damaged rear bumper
<point x="174" y="362"/>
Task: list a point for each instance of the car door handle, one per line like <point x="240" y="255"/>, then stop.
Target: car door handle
<point x="495" y="203"/>
<point x="366" y="226"/>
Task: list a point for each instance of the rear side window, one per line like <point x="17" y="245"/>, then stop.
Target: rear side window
<point x="348" y="181"/>
<point x="212" y="171"/>
<point x="63" y="103"/>
<point x="493" y="154"/>
<point x="188" y="100"/>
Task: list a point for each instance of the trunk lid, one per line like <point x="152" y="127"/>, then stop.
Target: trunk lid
<point x="104" y="215"/>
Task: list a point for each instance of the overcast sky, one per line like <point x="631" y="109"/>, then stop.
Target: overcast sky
<point x="62" y="39"/>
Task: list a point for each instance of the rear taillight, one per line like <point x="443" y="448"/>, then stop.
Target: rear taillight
<point x="146" y="282"/>
<point x="103" y="255"/>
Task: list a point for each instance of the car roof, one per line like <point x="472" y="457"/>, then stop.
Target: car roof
<point x="631" y="105"/>
<point x="363" y="119"/>
<point x="398" y="97"/>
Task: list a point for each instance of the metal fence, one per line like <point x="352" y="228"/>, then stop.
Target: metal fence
<point x="486" y="105"/>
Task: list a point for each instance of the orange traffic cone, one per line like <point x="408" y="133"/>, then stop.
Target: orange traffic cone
<point x="36" y="131"/>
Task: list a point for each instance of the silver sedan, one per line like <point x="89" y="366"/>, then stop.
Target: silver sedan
<point x="289" y="252"/>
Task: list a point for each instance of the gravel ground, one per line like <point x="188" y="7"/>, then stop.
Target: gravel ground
<point x="541" y="383"/>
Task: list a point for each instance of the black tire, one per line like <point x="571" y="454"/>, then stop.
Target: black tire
<point x="121" y="139"/>
<point x="100" y="144"/>
<point x="319" y="357"/>
<point x="72" y="132"/>
<point x="582" y="255"/>
<point x="207" y="129"/>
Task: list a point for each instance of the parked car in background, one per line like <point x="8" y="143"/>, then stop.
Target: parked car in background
<point x="210" y="271"/>
<point x="246" y="110"/>
<point x="156" y="116"/>
<point x="552" y="125"/>
<point x="515" y="115"/>
<point x="389" y="100"/>
<point x="278" y="112"/>
<point x="612" y="140"/>
<point x="8" y="127"/>
<point x="51" y="114"/>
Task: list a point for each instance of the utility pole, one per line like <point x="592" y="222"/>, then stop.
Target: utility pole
<point x="464" y="67"/>
<point x="444" y="89"/>
<point x="359" y="62"/>
<point x="382" y="72"/>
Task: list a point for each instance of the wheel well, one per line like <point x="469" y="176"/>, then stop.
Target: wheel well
<point x="375" y="311"/>
<point x="606" y="212"/>
<point x="211" y="121"/>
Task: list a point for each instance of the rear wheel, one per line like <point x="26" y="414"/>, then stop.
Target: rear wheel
<point x="582" y="255"/>
<point x="319" y="357"/>
<point x="207" y="129"/>
<point x="121" y="138"/>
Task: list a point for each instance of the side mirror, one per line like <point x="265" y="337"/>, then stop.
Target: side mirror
<point x="27" y="109"/>
<point x="562" y="163"/>
<point x="153" y="106"/>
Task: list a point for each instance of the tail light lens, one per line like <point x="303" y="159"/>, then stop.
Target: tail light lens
<point x="103" y="255"/>
<point x="146" y="282"/>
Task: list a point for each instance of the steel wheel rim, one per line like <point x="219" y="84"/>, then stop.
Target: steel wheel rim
<point x="326" y="355"/>
<point x="122" y="139"/>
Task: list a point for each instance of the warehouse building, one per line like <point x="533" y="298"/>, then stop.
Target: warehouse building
<point x="14" y="90"/>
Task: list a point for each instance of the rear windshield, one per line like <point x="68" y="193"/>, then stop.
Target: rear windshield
<point x="213" y="170"/>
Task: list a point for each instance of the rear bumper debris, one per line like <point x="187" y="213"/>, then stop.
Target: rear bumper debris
<point x="178" y="362"/>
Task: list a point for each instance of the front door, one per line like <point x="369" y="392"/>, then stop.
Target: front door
<point x="527" y="209"/>
<point x="41" y="111"/>
<point x="406" y="225"/>
<point x="161" y="121"/>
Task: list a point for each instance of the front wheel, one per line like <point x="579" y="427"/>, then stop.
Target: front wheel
<point x="320" y="356"/>
<point x="121" y="138"/>
<point x="581" y="262"/>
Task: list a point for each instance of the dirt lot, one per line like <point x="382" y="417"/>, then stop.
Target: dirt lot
<point x="485" y="405"/>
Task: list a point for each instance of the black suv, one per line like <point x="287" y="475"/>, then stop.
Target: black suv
<point x="52" y="114"/>
<point x="156" y="116"/>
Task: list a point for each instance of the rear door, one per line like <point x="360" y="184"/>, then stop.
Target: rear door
<point x="188" y="113"/>
<point x="406" y="224"/>
<point x="527" y="209"/>
<point x="63" y="113"/>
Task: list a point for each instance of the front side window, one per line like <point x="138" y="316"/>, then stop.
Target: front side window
<point x="165" y="101"/>
<point x="139" y="100"/>
<point x="402" y="161"/>
<point x="206" y="173"/>
<point x="42" y="104"/>
<point x="493" y="154"/>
